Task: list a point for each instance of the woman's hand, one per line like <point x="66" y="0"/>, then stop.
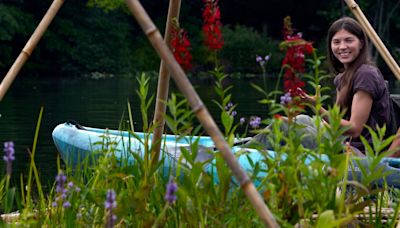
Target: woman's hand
<point x="305" y="97"/>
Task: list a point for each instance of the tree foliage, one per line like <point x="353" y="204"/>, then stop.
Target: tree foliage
<point x="14" y="22"/>
<point x="102" y="36"/>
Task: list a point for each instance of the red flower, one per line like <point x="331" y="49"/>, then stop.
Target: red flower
<point x="180" y="46"/>
<point x="294" y="61"/>
<point x="212" y="25"/>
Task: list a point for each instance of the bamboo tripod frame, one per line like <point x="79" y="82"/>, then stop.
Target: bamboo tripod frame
<point x="369" y="30"/>
<point x="200" y="110"/>
<point x="178" y="75"/>
<point x="30" y="45"/>
<point x="169" y="64"/>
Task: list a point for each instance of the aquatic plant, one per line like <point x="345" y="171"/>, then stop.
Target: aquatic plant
<point x="255" y="121"/>
<point x="170" y="195"/>
<point x="110" y="205"/>
<point x="61" y="191"/>
<point x="9" y="156"/>
<point x="286" y="99"/>
<point x="7" y="193"/>
<point x="262" y="61"/>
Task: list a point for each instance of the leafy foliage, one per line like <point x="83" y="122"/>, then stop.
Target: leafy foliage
<point x="101" y="42"/>
<point x="13" y="22"/>
<point x="242" y="45"/>
<point x="105" y="38"/>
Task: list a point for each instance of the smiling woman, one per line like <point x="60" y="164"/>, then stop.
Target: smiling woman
<point x="361" y="89"/>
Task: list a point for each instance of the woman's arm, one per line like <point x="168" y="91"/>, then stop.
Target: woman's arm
<point x="395" y="146"/>
<point x="360" y="112"/>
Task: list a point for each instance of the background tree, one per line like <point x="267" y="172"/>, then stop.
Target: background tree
<point x="102" y="36"/>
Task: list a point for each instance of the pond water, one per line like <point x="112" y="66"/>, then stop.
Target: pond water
<point x="97" y="103"/>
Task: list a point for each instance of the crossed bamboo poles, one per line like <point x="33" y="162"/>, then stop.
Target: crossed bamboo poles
<point x="200" y="110"/>
<point x="169" y="65"/>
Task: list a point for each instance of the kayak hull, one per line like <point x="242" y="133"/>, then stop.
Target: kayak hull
<point x="77" y="144"/>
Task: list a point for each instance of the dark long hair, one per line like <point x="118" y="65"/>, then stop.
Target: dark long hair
<point x="364" y="57"/>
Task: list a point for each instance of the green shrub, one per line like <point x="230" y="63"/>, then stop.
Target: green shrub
<point x="242" y="44"/>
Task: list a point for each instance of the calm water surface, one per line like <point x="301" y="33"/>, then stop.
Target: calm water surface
<point x="97" y="103"/>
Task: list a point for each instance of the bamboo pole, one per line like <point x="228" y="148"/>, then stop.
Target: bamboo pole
<point x="163" y="84"/>
<point x="200" y="110"/>
<point x="369" y="30"/>
<point x="29" y="46"/>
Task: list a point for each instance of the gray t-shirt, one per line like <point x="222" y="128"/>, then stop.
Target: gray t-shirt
<point x="369" y="79"/>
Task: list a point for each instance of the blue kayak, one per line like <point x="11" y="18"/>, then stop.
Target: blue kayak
<point x="75" y="143"/>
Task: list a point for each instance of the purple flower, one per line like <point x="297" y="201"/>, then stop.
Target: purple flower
<point x="170" y="195"/>
<point x="233" y="113"/>
<point x="259" y="58"/>
<point x="262" y="61"/>
<point x="286" y="99"/>
<point x="61" y="179"/>
<point x="9" y="155"/>
<point x="255" y="121"/>
<point x="9" y="151"/>
<point x="228" y="106"/>
<point x="66" y="204"/>
<point x="109" y="205"/>
<point x="242" y="120"/>
<point x="61" y="191"/>
<point x="111" y="202"/>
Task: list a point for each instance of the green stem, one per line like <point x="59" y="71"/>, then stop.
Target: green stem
<point x="344" y="185"/>
<point x="33" y="169"/>
<point x="278" y="82"/>
<point x="160" y="216"/>
<point x="265" y="83"/>
<point x="7" y="204"/>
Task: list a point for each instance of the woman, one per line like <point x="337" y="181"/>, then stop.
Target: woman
<point x="360" y="87"/>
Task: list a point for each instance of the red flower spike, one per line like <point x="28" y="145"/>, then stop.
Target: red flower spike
<point x="296" y="49"/>
<point x="212" y="25"/>
<point x="180" y="46"/>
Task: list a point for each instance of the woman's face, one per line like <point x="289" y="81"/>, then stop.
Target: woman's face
<point x="345" y="47"/>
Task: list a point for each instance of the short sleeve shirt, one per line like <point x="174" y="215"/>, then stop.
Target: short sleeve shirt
<point x="369" y="79"/>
